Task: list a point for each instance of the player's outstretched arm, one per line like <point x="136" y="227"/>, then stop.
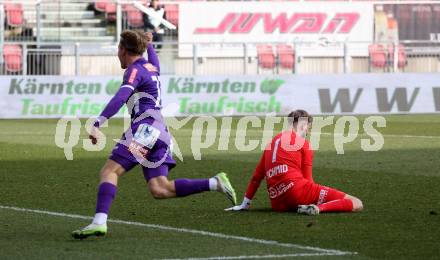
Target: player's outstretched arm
<point x="152" y="56"/>
<point x="307" y="162"/>
<point x="130" y="81"/>
<point x="113" y="106"/>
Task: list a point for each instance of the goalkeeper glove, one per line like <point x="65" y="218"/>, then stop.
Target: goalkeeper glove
<point x="245" y="205"/>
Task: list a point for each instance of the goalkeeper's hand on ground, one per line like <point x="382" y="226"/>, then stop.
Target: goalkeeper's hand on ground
<point x="245" y="205"/>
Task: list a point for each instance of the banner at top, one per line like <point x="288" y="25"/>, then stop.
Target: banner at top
<point x="318" y="23"/>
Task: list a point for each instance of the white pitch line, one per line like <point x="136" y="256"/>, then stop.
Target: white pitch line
<point x="414" y="136"/>
<point x="256" y="256"/>
<point x="185" y="230"/>
<point x="390" y="135"/>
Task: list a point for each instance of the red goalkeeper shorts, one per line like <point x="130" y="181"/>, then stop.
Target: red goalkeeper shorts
<point x="305" y="192"/>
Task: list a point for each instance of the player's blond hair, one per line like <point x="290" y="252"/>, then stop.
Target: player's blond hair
<point x="135" y="42"/>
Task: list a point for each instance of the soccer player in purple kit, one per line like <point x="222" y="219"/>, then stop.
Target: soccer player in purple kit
<point x="147" y="141"/>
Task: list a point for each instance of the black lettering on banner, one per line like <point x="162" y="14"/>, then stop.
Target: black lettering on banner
<point x="436" y="96"/>
<point x="399" y="97"/>
<point x="342" y="98"/>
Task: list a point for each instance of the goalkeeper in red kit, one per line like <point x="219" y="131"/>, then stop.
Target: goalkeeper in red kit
<point x="286" y="164"/>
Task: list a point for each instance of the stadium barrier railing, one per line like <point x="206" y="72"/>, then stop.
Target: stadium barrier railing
<point x="61" y="58"/>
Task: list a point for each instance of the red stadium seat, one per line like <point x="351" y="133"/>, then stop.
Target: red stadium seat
<point x="108" y="7"/>
<point x="14" y="14"/>
<point x="266" y="57"/>
<point x="13" y="57"/>
<point x="172" y="13"/>
<point x="401" y="55"/>
<point x="100" y="5"/>
<point x="130" y="6"/>
<point x="134" y="16"/>
<point x="110" y="12"/>
<point x="286" y="56"/>
<point x="378" y="55"/>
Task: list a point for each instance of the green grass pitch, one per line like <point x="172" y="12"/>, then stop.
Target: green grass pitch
<point x="399" y="186"/>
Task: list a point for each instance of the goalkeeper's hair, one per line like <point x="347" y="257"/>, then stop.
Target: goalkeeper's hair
<point x="297" y="115"/>
<point x="133" y="41"/>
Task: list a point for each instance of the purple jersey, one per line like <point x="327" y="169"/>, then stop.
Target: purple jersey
<point x="148" y="138"/>
<point x="142" y="79"/>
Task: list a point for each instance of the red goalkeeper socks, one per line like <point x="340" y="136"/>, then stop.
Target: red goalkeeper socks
<point x="341" y="205"/>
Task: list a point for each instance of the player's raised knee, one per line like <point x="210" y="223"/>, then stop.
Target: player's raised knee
<point x="158" y="192"/>
<point x="105" y="172"/>
<point x="161" y="188"/>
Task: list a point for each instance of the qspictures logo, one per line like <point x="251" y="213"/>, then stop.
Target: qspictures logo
<point x="73" y="97"/>
<point x="229" y="95"/>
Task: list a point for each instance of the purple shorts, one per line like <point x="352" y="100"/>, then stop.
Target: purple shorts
<point x="146" y="143"/>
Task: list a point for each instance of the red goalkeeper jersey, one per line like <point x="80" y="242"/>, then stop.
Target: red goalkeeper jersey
<point x="287" y="159"/>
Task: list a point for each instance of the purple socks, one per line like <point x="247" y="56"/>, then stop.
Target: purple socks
<point x="106" y="194"/>
<point x="185" y="187"/>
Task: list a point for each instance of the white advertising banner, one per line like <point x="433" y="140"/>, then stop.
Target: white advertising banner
<point x="320" y="27"/>
<point x="46" y="96"/>
<point x="55" y="96"/>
